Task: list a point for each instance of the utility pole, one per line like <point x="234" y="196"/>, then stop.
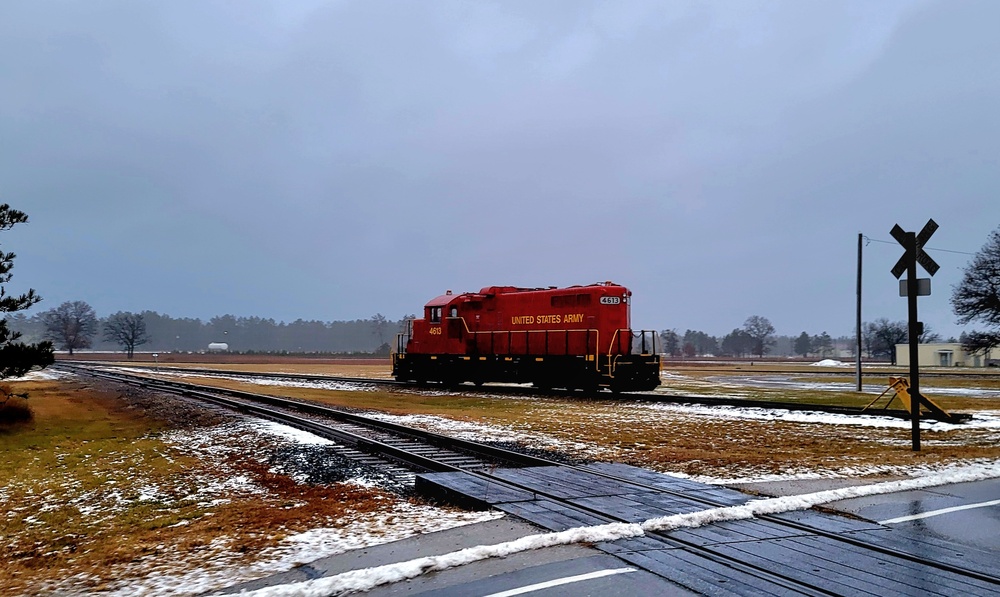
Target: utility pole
<point x="857" y="328"/>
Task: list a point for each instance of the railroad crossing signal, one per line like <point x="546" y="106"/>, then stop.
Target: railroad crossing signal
<point x="922" y="258"/>
<point x="911" y="288"/>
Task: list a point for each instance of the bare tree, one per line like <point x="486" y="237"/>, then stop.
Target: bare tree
<point x="128" y="330"/>
<point x="16" y="358"/>
<point x="760" y="330"/>
<point x="977" y="296"/>
<point x="72" y="325"/>
<point x="881" y="337"/>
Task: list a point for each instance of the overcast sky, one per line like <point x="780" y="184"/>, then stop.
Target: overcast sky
<point x="331" y="160"/>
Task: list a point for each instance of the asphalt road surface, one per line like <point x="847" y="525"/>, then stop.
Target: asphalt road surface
<point x="965" y="513"/>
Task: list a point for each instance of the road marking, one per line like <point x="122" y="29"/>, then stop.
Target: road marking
<point x="941" y="511"/>
<point x="560" y="581"/>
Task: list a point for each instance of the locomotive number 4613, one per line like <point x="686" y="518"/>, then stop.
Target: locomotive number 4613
<point x="610" y="300"/>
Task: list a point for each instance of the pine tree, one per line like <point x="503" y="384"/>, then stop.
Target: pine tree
<point x="803" y="344"/>
<point x="16" y="358"/>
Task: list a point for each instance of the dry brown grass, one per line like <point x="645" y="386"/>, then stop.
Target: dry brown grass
<point x="14" y="410"/>
<point x="72" y="485"/>
<point x="343" y="368"/>
<point x="672" y="440"/>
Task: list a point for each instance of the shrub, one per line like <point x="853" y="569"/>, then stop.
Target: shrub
<point x="14" y="408"/>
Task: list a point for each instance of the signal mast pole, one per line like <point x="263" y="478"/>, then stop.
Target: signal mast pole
<point x="914" y="254"/>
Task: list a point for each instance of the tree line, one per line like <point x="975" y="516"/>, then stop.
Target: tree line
<point x="74" y="325"/>
<point x="756" y="339"/>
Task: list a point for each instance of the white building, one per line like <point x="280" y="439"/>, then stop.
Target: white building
<point x="943" y="354"/>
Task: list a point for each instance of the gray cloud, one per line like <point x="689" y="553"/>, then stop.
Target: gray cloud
<point x="332" y="159"/>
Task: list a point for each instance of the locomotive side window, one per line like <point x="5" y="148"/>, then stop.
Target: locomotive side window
<point x="435" y="314"/>
<point x="453" y="312"/>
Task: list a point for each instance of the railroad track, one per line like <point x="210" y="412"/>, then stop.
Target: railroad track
<point x="653" y="397"/>
<point x="409" y="452"/>
<point x="364" y="439"/>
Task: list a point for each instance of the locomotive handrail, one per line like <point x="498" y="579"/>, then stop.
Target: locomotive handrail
<point x="633" y="335"/>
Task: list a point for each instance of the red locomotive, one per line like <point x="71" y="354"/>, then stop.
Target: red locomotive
<point x="576" y="338"/>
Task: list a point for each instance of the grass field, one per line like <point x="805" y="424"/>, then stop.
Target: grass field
<point x="108" y="486"/>
<point x="97" y="489"/>
<point x="700" y="442"/>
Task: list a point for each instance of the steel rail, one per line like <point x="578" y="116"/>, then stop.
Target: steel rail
<point x="652" y="397"/>
<point x="489" y="453"/>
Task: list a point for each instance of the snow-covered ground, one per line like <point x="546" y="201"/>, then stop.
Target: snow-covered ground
<point x="786" y="382"/>
<point x="737" y="385"/>
<point x="221" y="567"/>
<point x="287" y="382"/>
<point x="42" y="374"/>
<point x="220" y="564"/>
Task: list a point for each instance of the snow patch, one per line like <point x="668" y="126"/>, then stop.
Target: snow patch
<point x="980" y="420"/>
<point x="827" y="363"/>
<point x="289" y="433"/>
<point x="222" y="569"/>
<point x="289" y="382"/>
<point x="43" y="375"/>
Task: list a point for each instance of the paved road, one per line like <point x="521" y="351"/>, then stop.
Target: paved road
<point x="575" y="570"/>
<point x="586" y="575"/>
<point x="965" y="513"/>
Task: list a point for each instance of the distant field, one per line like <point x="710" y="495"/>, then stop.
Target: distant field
<point x="218" y="358"/>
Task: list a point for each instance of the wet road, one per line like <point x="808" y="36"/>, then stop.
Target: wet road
<point x="965" y="513"/>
